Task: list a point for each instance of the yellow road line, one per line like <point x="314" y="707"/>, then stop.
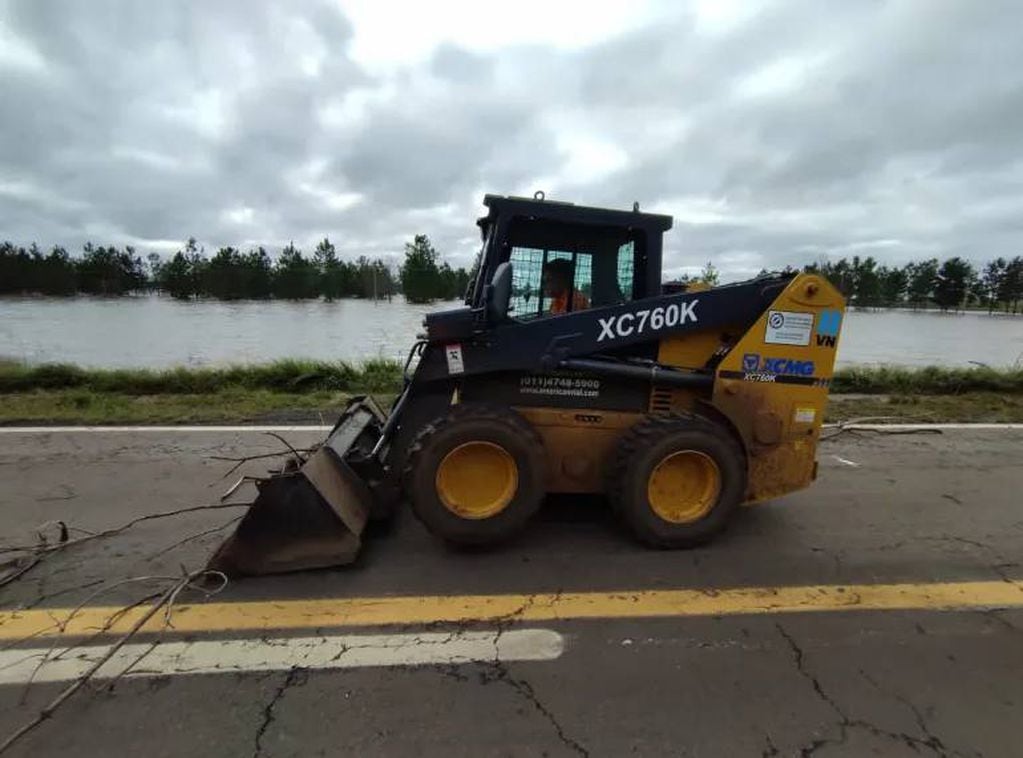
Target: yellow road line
<point x="388" y="611"/>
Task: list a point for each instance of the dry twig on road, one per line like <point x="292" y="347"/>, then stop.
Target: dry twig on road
<point x="18" y="567"/>
<point x="46" y="548"/>
<point x="854" y="426"/>
<point x="241" y="460"/>
<point x="197" y="535"/>
<point x="28" y="557"/>
<point x="165" y="601"/>
<point x="290" y="447"/>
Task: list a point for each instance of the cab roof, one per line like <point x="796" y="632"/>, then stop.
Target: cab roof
<point x="541" y="208"/>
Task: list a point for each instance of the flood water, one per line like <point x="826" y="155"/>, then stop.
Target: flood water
<point x="158" y="331"/>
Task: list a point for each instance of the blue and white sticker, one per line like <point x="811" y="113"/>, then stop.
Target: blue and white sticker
<point x="829" y="323"/>
<point x="788" y="328"/>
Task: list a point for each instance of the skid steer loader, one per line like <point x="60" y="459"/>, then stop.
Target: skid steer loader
<point x="679" y="405"/>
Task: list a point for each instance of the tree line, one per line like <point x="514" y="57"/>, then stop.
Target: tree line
<point x="229" y="274"/>
<point x="952" y="284"/>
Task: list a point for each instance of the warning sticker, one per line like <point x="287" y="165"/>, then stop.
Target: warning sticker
<point x="454" y="355"/>
<point x="805" y="415"/>
<point x="788" y="328"/>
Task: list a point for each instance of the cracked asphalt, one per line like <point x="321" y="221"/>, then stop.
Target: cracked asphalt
<point x="915" y="508"/>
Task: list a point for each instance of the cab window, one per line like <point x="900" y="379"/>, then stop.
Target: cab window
<point x="599" y="262"/>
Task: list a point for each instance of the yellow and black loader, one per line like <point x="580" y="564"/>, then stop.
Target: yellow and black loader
<point x="680" y="404"/>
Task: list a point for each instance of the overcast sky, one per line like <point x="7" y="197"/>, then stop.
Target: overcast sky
<point x="773" y="132"/>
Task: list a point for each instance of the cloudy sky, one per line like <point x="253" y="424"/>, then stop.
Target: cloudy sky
<point x="773" y="132"/>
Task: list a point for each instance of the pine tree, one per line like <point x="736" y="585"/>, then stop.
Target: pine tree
<point x="294" y="276"/>
<point x="991" y="281"/>
<point x="420" y="276"/>
<point x="952" y="283"/>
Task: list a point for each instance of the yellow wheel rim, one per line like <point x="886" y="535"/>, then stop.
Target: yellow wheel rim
<point x="477" y="480"/>
<point x="684" y="486"/>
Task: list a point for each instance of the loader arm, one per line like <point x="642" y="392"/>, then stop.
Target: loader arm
<point x="545" y="344"/>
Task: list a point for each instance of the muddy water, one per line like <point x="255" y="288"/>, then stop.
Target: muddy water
<point x="158" y="331"/>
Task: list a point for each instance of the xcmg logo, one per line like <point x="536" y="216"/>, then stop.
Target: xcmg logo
<point x="786" y="366"/>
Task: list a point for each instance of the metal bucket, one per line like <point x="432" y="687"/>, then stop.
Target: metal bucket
<point x="312" y="516"/>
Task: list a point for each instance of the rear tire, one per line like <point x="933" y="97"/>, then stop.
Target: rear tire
<point x="677" y="480"/>
<point x="476" y="475"/>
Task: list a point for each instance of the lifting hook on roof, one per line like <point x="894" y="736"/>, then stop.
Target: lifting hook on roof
<point x="539" y="195"/>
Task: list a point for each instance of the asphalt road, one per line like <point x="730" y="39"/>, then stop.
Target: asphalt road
<point x="712" y="676"/>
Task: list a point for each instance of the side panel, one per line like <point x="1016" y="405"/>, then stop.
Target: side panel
<point x="579" y="443"/>
<point x="691" y="351"/>
<point x="556" y="389"/>
<point x="774" y="384"/>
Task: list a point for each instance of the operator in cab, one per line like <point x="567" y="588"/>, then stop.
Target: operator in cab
<point x="557" y="278"/>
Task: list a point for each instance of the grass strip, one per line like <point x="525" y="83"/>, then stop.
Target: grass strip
<point x="43" y="407"/>
<point x="379" y="375"/>
<point x="291" y="376"/>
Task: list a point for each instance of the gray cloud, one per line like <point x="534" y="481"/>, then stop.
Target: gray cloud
<point x="806" y="129"/>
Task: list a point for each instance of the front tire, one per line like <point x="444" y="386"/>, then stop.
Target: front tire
<point x="677" y="480"/>
<point x="476" y="475"/>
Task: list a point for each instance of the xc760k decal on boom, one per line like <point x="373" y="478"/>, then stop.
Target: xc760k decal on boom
<point x="636" y="322"/>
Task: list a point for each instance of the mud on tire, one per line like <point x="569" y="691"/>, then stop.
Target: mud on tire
<point x="464" y="424"/>
<point x="650" y="442"/>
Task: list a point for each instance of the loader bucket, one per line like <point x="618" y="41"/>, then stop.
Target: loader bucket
<point x="311" y="516"/>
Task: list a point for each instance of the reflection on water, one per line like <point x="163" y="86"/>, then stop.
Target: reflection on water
<point x="158" y="331"/>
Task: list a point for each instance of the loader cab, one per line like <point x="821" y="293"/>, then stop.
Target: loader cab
<point x="562" y="257"/>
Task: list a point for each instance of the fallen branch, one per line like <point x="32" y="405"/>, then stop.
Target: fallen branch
<point x="234" y="487"/>
<point x="261" y="456"/>
<point x="196" y="536"/>
<point x="22" y="564"/>
<point x="61" y="626"/>
<point x="164" y="601"/>
<point x="32" y="555"/>
<point x="854" y="426"/>
<point x="284" y="442"/>
<point x="47" y="548"/>
<point x="19" y="570"/>
<point x="168" y="610"/>
<point x="240" y="461"/>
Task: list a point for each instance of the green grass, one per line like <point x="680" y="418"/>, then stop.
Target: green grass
<point x="298" y="391"/>
<point x="79" y="406"/>
<point x="970" y="407"/>
<point x="303" y="376"/>
<point x="931" y="380"/>
<point x="290" y="376"/>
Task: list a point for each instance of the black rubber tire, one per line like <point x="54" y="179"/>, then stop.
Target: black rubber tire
<point x="644" y="446"/>
<point x="467" y="423"/>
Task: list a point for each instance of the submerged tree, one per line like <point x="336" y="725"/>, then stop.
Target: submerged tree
<point x="991" y="282"/>
<point x="894" y="282"/>
<point x="420" y="276"/>
<point x="1010" y="291"/>
<point x="182" y="276"/>
<point x="952" y="283"/>
<point x="332" y="272"/>
<point x="922" y="278"/>
<point x="295" y="277"/>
